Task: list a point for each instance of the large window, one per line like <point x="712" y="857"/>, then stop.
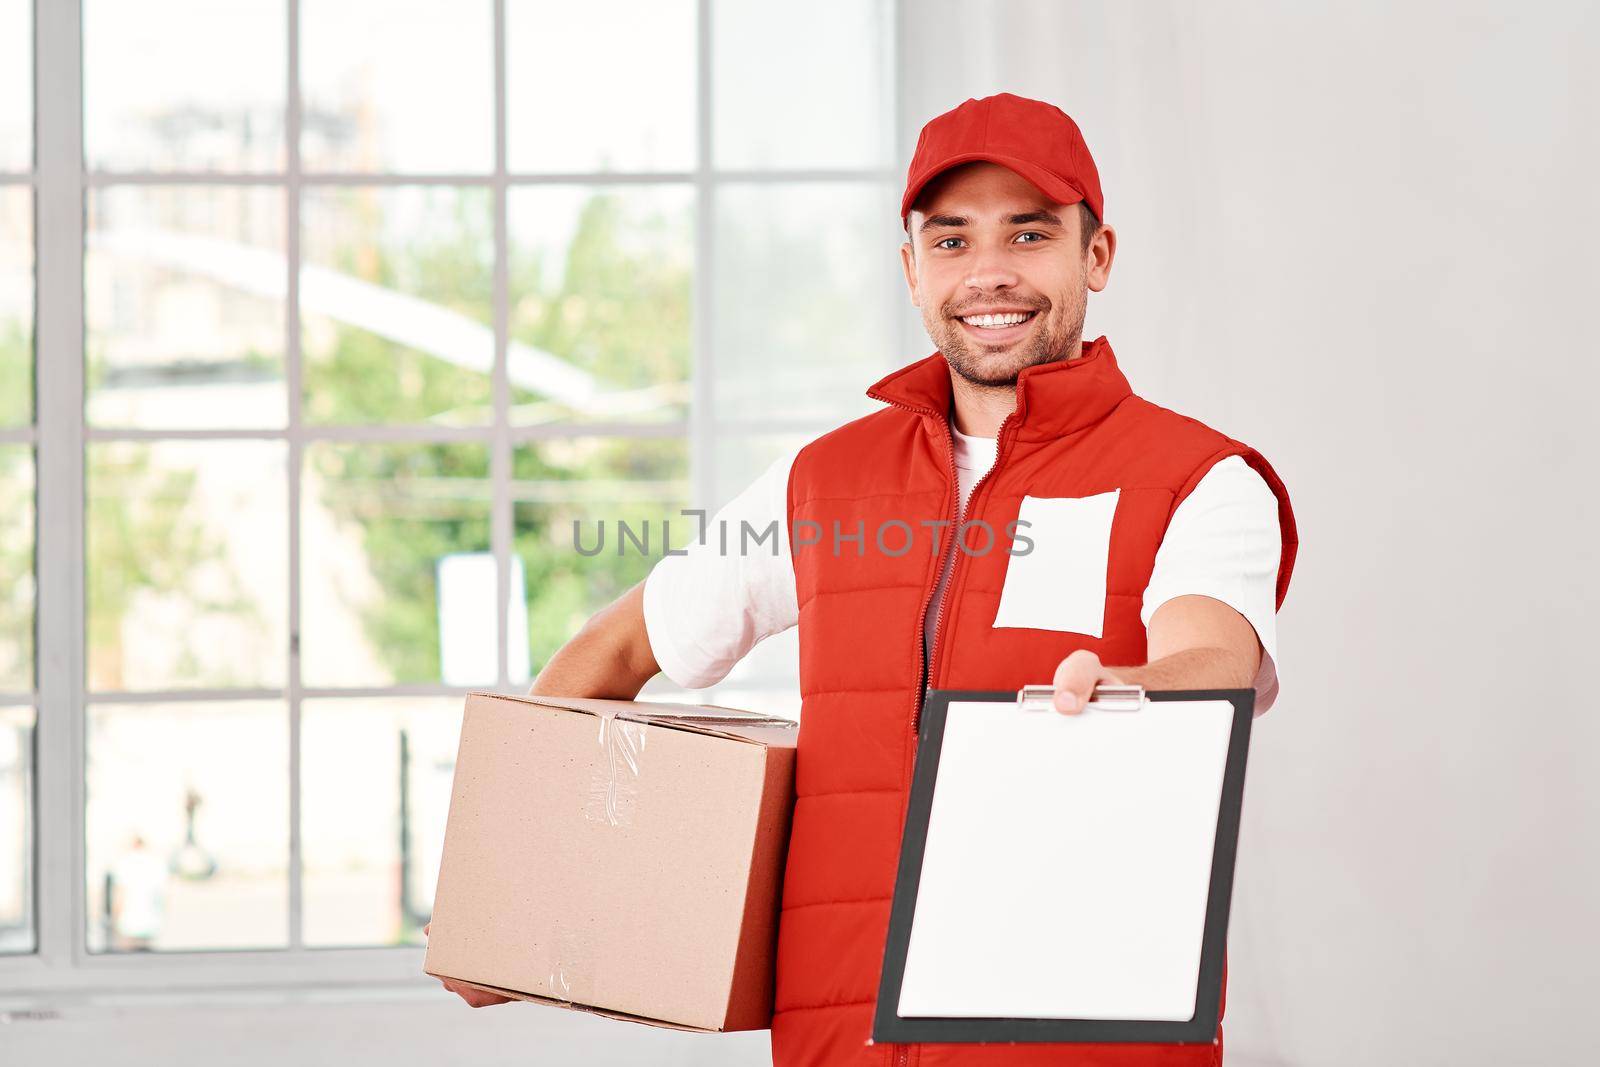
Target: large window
<point x="348" y="312"/>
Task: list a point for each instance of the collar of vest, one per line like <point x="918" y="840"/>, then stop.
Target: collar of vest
<point x="1053" y="399"/>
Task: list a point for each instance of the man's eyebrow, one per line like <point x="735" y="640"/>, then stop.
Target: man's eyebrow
<point x="933" y="222"/>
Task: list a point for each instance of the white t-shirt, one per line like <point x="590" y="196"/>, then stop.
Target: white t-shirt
<point x="704" y="610"/>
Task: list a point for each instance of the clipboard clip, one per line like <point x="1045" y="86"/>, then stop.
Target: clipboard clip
<point x="1104" y="698"/>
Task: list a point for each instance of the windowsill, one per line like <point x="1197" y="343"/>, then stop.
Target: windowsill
<point x="91" y="1003"/>
<point x="408" y="1023"/>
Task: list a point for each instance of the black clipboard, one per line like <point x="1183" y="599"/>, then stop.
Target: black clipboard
<point x="889" y="1026"/>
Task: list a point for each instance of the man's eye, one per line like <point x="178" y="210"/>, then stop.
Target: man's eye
<point x="1030" y="233"/>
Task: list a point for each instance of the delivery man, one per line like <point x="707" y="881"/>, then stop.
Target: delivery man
<point x="1014" y="513"/>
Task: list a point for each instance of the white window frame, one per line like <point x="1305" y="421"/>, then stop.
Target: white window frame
<point x="62" y="965"/>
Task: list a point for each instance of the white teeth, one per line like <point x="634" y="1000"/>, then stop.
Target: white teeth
<point x="993" y="321"/>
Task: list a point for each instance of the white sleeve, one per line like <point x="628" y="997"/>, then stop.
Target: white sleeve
<point x="1224" y="542"/>
<point x="705" y="608"/>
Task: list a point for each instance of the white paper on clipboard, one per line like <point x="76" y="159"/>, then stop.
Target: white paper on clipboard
<point x="1068" y="863"/>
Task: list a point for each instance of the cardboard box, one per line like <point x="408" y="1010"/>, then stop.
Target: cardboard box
<point x="618" y="857"/>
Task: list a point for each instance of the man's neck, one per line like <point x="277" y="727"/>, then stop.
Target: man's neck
<point x="980" y="409"/>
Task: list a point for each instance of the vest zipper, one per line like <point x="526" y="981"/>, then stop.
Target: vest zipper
<point x="902" y="1057"/>
<point x="930" y="656"/>
<point x="925" y="650"/>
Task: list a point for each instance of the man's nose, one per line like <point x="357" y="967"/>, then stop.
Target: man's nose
<point x="989" y="270"/>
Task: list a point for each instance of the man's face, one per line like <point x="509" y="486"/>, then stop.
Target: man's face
<point x="985" y="239"/>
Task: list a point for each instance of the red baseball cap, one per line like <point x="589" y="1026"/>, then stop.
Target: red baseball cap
<point x="1037" y="140"/>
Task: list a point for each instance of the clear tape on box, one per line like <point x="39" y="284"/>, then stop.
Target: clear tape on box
<point x="615" y="784"/>
<point x="564" y="949"/>
<point x="613" y="789"/>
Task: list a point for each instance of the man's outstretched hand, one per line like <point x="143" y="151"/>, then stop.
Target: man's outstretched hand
<point x="1076" y="677"/>
<point x="477" y="998"/>
<point x="1194" y="642"/>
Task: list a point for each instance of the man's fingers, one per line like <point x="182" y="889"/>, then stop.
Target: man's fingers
<point x="1075" y="680"/>
<point x="477" y="998"/>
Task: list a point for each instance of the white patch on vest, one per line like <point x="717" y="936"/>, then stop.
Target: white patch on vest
<point x="1061" y="583"/>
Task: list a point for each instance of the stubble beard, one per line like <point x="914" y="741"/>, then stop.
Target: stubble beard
<point x="1056" y="333"/>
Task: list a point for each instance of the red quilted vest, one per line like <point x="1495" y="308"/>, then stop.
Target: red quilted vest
<point x="1077" y="430"/>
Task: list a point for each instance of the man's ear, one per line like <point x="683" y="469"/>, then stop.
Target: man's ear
<point x="1102" y="250"/>
<point x="908" y="263"/>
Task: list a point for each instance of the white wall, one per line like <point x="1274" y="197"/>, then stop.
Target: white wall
<point x="1362" y="237"/>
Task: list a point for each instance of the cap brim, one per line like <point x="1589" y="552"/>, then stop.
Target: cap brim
<point x="1057" y="189"/>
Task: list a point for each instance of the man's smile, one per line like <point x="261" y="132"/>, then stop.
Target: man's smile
<point x="998" y="327"/>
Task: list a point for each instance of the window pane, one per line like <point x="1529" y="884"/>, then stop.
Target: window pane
<point x="184" y="307"/>
<point x="600" y="484"/>
<point x="813" y="84"/>
<point x="601" y="286"/>
<point x="740" y="457"/>
<point x="375" y="780"/>
<point x="187" y="575"/>
<point x="806" y="277"/>
<point x="16" y="830"/>
<point x="395" y="297"/>
<point x="16" y="306"/>
<point x="633" y="110"/>
<point x="767" y="679"/>
<point x="16" y="85"/>
<point x="188" y="826"/>
<point x="397" y="85"/>
<point x="184" y="85"/>
<point x="16" y="563"/>
<point x="376" y="523"/>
